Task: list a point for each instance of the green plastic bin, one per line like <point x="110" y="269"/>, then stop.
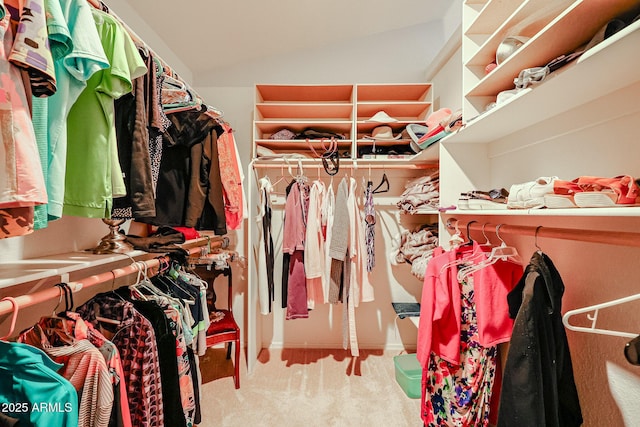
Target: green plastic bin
<point x="409" y="374"/>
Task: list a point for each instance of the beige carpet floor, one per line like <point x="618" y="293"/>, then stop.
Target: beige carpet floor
<point x="306" y="387"/>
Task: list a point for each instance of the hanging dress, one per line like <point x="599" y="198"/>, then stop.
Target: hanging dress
<point x="460" y="394"/>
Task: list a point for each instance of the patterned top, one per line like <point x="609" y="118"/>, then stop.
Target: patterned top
<point x="85" y="368"/>
<point x="135" y="339"/>
<point x="31" y="49"/>
<point x="85" y="330"/>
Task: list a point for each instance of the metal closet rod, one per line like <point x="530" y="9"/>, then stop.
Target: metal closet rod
<point x="617" y="238"/>
<point x="28" y="300"/>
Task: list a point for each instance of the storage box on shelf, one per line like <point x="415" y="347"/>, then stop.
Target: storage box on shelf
<point x="406" y="103"/>
<point x="326" y="108"/>
<point x="577" y="121"/>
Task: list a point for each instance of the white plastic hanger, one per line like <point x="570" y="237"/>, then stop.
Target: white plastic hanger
<point x="593" y="316"/>
<point x="499" y="253"/>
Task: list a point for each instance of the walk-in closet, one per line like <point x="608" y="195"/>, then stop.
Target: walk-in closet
<point x="420" y="213"/>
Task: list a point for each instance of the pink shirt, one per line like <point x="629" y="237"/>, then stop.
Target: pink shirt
<point x="293" y="236"/>
<point x="21" y="182"/>
<point x="439" y="328"/>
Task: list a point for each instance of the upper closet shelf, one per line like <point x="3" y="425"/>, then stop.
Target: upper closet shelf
<point x="565" y="89"/>
<point x="28" y="270"/>
<point x="569" y="30"/>
<point x="590" y="212"/>
<point x="493" y="13"/>
<point x="55" y="266"/>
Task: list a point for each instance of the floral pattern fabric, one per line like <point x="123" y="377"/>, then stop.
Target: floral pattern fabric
<point x="460" y="395"/>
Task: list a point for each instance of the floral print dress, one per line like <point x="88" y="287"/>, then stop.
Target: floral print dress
<point x="460" y="395"/>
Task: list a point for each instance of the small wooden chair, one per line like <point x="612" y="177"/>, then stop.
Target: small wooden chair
<point x="226" y="329"/>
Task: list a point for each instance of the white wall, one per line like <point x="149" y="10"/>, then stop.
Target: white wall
<point x="391" y="57"/>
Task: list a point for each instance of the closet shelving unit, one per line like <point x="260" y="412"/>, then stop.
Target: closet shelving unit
<point x="342" y="109"/>
<point x="407" y="103"/>
<point x="546" y="129"/>
<point x="297" y="107"/>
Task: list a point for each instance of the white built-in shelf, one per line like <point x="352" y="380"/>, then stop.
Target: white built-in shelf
<point x="590" y="212"/>
<point x="423" y="212"/>
<point x="301" y="111"/>
<point x="28" y="270"/>
<point x="275" y="93"/>
<point x="550" y="38"/>
<point x="268" y="128"/>
<point x="342" y="109"/>
<point x="290" y="145"/>
<point x="563" y="90"/>
<point x="54" y="266"/>
<point x="492" y="15"/>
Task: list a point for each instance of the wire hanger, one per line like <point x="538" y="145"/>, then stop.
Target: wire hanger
<point x="14" y="317"/>
<point x="385" y="181"/>
<point x="592" y="315"/>
<point x="535" y="241"/>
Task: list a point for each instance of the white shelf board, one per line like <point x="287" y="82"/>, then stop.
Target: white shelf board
<point x="567" y="88"/>
<point x="429" y="154"/>
<point x="586" y="212"/>
<point x="28" y="270"/>
<point x="493" y="13"/>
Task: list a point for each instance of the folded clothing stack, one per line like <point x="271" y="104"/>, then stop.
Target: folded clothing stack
<point x="421" y="193"/>
<point x="415" y="248"/>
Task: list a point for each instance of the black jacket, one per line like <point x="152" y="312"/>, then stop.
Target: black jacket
<point x="538" y="388"/>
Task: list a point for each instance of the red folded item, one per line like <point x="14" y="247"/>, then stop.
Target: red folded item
<point x="188" y="232"/>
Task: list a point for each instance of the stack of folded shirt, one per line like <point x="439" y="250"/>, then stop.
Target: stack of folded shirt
<point x="415" y="248"/>
<point x="421" y="193"/>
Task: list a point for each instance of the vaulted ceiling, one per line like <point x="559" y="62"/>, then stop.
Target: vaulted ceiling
<point x="200" y="32"/>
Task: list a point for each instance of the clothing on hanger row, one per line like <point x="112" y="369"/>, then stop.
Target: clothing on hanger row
<point x="59" y="173"/>
<point x="130" y="356"/>
<point x="476" y="296"/>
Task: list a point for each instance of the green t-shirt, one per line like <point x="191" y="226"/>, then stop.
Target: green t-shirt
<point x="93" y="175"/>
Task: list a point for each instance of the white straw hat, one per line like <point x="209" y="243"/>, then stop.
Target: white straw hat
<point x="382" y="117"/>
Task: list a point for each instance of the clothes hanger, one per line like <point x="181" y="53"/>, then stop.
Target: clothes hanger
<point x="498" y="253"/>
<point x="300" y="176"/>
<point x="55" y="326"/>
<point x="592" y="314"/>
<point x="535" y="241"/>
<point x="470" y="257"/>
<point x="632" y="351"/>
<point x="456" y="239"/>
<point x="14" y="317"/>
<point x="385" y="181"/>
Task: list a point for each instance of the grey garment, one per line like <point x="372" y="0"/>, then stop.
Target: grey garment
<point x="340" y="230"/>
<point x="339" y="242"/>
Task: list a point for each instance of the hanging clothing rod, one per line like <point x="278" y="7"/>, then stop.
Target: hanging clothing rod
<point x="28" y="300"/>
<point x="318" y="165"/>
<point x="617" y="238"/>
